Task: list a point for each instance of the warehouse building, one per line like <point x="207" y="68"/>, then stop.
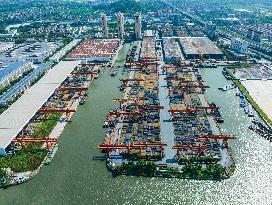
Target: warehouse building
<point x="171" y="50"/>
<point x="5" y="46"/>
<point x="95" y="50"/>
<point x="13" y="71"/>
<point x="200" y="47"/>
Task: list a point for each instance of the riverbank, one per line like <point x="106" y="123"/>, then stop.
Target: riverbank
<point x="62" y="104"/>
<point x="263" y="115"/>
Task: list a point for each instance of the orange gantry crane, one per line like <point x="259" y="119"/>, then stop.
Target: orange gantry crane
<point x="116" y="113"/>
<point x="150" y="107"/>
<point x="224" y="138"/>
<point x="193" y="109"/>
<point x="129" y="147"/>
<point x="92" y="73"/>
<point x="122" y="101"/>
<point x="140" y="63"/>
<point x="46" y="140"/>
<point x="198" y="148"/>
<point x="183" y="80"/>
<point x="186" y="88"/>
<point x="76" y="89"/>
<point x="131" y="80"/>
<point x="90" y="64"/>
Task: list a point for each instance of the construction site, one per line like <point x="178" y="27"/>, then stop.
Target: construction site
<point x="164" y="125"/>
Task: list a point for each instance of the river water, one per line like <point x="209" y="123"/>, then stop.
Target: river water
<point x="74" y="178"/>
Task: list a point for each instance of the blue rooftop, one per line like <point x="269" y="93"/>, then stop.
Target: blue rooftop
<point x="5" y="97"/>
<point x="10" y="69"/>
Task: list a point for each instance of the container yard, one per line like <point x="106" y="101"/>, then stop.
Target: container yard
<point x="164" y="123"/>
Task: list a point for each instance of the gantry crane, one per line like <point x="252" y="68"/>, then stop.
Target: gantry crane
<point x="67" y="111"/>
<point x="46" y="140"/>
<point x="198" y="148"/>
<point x="129" y="147"/>
<point x="193" y="109"/>
<point x="224" y="138"/>
<point x="122" y="101"/>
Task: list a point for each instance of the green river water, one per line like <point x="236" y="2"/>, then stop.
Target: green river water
<point x="74" y="178"/>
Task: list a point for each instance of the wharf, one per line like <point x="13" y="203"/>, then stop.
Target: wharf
<point x="167" y="130"/>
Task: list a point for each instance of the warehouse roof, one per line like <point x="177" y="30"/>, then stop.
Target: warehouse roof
<point x="13" y="120"/>
<point x="5" y="97"/>
<point x="95" y="48"/>
<point x="199" y="45"/>
<point x="11" y="69"/>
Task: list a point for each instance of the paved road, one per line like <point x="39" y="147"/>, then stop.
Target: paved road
<point x="167" y="129"/>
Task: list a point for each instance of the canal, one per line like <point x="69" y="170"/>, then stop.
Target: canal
<point x="74" y="178"/>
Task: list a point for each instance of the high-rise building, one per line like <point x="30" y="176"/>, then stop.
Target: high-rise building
<point x="120" y="25"/>
<point x="105" y="28"/>
<point x="138" y="25"/>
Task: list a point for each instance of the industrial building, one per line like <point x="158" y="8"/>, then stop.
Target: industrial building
<point x="105" y="29"/>
<point x="239" y="46"/>
<point x="148" y="50"/>
<point x="60" y="54"/>
<point x="120" y="25"/>
<point x="13" y="71"/>
<point x="101" y="50"/>
<point x="14" y="119"/>
<point x="5" y="46"/>
<point x="171" y="50"/>
<point x="22" y="85"/>
<point x="199" y="47"/>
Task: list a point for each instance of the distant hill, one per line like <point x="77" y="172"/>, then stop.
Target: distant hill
<point x="124" y="6"/>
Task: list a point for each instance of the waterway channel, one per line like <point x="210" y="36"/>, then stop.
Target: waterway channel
<point x="74" y="178"/>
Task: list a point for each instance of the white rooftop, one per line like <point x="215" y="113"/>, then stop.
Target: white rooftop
<point x="19" y="113"/>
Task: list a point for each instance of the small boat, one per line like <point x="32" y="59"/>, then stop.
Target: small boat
<point x="217" y="115"/>
<point x="113" y="73"/>
<point x="246" y="109"/>
<point x="250" y="111"/>
<point x="227" y="87"/>
<point x="106" y="124"/>
<point x="122" y="88"/>
<point x="242" y="101"/>
<point x="51" y="154"/>
<point x="82" y="102"/>
<point x="226" y="75"/>
<point x="237" y="92"/>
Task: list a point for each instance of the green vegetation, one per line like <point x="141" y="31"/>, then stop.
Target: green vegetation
<point x="43" y="129"/>
<point x="124" y="6"/>
<point x="249" y="98"/>
<point x="240" y="65"/>
<point x="23" y="161"/>
<point x="229" y="56"/>
<point x="194" y="171"/>
<point x="213" y="171"/>
<point x="141" y="167"/>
